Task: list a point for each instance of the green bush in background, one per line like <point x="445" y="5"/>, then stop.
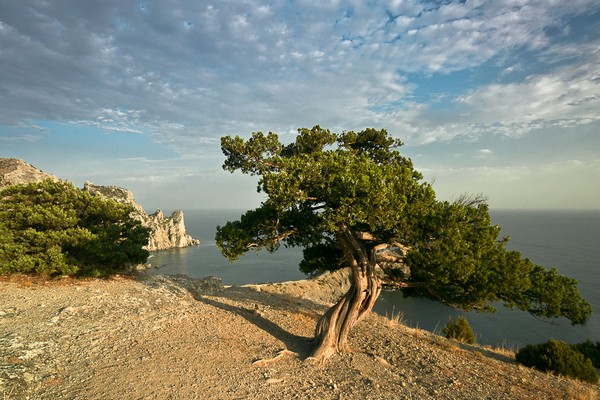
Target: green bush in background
<point x="560" y="358"/>
<point x="460" y="330"/>
<point x="53" y="228"/>
<point x="591" y="350"/>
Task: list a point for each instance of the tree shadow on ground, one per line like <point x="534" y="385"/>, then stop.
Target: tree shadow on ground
<point x="257" y="302"/>
<point x="487" y="352"/>
<point x="474" y="349"/>
<point x="230" y="298"/>
<point x="300" y="345"/>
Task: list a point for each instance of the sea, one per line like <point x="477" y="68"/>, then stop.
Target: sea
<point x="566" y="240"/>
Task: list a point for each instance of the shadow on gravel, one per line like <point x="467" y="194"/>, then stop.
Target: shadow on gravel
<point x="298" y="344"/>
<point x="210" y="290"/>
<point x="486" y="352"/>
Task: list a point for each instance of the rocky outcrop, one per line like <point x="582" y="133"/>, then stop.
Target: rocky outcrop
<point x="325" y="288"/>
<point x="14" y="172"/>
<point x="166" y="232"/>
<point x="329" y="286"/>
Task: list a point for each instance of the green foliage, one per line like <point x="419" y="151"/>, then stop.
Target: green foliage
<point x="460" y="330"/>
<point x="321" y="257"/>
<point x="467" y="265"/>
<point x="560" y="358"/>
<point x="52" y="228"/>
<point x="590" y="350"/>
<point x="324" y="183"/>
<point x="317" y="185"/>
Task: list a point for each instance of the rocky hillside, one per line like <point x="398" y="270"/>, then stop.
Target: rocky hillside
<point x="173" y="337"/>
<point x="14" y="171"/>
<point x="166" y="232"/>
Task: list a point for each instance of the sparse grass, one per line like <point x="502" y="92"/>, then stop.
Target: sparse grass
<point x="577" y="391"/>
<point x="395" y="318"/>
<point x="437" y="330"/>
<point x="448" y="345"/>
<point x="416" y="331"/>
<point x="422" y="332"/>
<point x="503" y="350"/>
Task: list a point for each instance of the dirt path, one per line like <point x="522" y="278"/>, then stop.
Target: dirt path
<point x="157" y="337"/>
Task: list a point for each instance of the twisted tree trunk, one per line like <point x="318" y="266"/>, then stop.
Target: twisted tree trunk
<point x="334" y="326"/>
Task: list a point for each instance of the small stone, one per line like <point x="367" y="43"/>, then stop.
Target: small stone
<point x="274" y="380"/>
<point x="28" y="377"/>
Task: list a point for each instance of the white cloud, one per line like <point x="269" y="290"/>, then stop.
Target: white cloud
<point x="187" y="73"/>
<point x="216" y="72"/>
<point x="566" y="96"/>
<point x="484" y="153"/>
<point x="22" y="138"/>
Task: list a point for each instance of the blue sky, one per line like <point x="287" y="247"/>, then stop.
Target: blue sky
<point x="500" y="98"/>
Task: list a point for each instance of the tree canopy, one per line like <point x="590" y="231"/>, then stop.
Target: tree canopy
<point x="349" y="198"/>
<point x="53" y="228"/>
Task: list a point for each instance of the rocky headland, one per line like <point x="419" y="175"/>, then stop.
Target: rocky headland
<point x="166" y="232"/>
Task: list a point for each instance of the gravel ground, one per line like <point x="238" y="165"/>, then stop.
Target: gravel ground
<point x="172" y="337"/>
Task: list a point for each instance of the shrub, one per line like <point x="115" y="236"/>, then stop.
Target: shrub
<point x="459" y="330"/>
<point x="560" y="358"/>
<point x="53" y="228"/>
<point x="590" y="350"/>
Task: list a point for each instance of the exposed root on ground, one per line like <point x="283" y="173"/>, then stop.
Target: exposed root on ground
<point x="281" y="354"/>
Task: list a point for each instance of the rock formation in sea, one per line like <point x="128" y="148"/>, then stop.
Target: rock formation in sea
<point x="166" y="232"/>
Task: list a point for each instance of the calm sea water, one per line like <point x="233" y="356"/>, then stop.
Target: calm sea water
<point x="569" y="241"/>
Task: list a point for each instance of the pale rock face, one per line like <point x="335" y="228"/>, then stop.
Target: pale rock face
<point x="115" y="193"/>
<point x="14" y="172"/>
<point x="166" y="232"/>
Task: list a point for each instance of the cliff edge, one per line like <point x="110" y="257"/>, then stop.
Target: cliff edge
<point x="166" y="232"/>
<point x="173" y="337"/>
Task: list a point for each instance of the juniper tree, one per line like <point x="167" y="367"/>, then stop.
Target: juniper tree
<point x="53" y="228"/>
<point x="347" y="197"/>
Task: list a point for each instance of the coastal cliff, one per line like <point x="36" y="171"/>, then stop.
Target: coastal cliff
<point x="166" y="232"/>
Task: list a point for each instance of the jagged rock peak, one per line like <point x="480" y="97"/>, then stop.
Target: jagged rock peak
<point x="166" y="232"/>
<point x="14" y="171"/>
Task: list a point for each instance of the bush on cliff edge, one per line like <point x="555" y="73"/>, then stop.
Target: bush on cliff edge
<point x="591" y="350"/>
<point x="560" y="358"/>
<point x="53" y="228"/>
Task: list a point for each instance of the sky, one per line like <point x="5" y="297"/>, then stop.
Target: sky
<point x="499" y="97"/>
